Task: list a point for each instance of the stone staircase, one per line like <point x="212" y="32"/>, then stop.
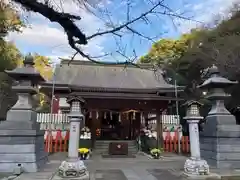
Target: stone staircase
<point x="101" y="146"/>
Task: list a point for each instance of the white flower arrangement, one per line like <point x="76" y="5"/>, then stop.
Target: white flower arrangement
<point x="85" y="133"/>
<point x="150" y="133"/>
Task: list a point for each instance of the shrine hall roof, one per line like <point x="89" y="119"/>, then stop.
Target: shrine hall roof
<point x="86" y="74"/>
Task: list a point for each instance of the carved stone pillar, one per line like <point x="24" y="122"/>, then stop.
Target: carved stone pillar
<point x="73" y="167"/>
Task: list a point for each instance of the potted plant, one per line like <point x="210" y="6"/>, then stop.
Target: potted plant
<point x="155" y="153"/>
<point x="83" y="153"/>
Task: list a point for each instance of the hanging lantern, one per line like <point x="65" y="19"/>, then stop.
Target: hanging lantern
<point x="105" y="115"/>
<point x="143" y="119"/>
<point x="134" y="115"/>
<point x="97" y="114"/>
<point x="90" y="114"/>
<point x="84" y="121"/>
<point x="119" y="117"/>
<point x="111" y="115"/>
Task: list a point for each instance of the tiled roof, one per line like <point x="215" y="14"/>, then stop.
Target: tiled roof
<point x="85" y="74"/>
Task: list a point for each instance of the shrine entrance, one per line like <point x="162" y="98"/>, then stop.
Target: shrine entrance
<point x="115" y="125"/>
<point x="110" y="128"/>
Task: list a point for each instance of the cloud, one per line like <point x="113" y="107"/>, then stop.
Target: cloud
<point x="50" y="37"/>
<point x="204" y="13"/>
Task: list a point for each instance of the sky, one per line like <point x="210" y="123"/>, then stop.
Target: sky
<point x="46" y="38"/>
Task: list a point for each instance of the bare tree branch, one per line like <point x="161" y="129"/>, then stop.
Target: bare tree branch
<point x="125" y="24"/>
<point x="64" y="19"/>
<point x="75" y="34"/>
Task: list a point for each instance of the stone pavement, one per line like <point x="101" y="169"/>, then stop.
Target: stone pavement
<point x="140" y="168"/>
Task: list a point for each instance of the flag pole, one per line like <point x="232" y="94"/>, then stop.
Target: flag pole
<point x="51" y="111"/>
<point x="177" y="113"/>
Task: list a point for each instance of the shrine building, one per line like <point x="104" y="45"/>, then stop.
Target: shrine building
<point x="116" y="97"/>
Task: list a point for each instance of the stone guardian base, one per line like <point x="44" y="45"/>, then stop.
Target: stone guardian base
<point x="72" y="169"/>
<point x="196" y="167"/>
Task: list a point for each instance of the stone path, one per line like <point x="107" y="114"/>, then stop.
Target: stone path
<point x="140" y="168"/>
<point x="130" y="174"/>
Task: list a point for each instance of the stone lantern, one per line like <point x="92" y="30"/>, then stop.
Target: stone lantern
<point x="220" y="139"/>
<point x="194" y="166"/>
<point x="73" y="167"/>
<point x="21" y="140"/>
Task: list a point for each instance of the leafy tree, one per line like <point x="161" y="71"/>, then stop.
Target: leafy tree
<point x="43" y="65"/>
<point x="9" y="58"/>
<point x="169" y="50"/>
<point x="217" y="45"/>
<point x="169" y="54"/>
<point x="9" y="19"/>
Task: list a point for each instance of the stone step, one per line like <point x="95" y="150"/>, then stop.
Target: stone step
<point x="107" y="142"/>
<point x="107" y="145"/>
<point x="129" y="148"/>
<point x="101" y="147"/>
<point x="106" y="152"/>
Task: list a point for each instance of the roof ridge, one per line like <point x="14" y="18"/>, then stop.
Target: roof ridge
<point x="148" y="66"/>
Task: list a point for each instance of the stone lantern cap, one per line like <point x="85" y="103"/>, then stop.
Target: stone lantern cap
<point x="192" y="109"/>
<point x="27" y="72"/>
<point x="74" y="97"/>
<point x="216" y="80"/>
<point x="76" y="110"/>
<point x="192" y="102"/>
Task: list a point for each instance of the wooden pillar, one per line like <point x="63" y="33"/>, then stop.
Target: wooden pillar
<point x="137" y="125"/>
<point x="93" y="127"/>
<point x="145" y="115"/>
<point x="159" y="129"/>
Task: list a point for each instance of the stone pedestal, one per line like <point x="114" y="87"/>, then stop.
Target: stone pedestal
<point x="21" y="140"/>
<point x="220" y="141"/>
<point x="23" y="148"/>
